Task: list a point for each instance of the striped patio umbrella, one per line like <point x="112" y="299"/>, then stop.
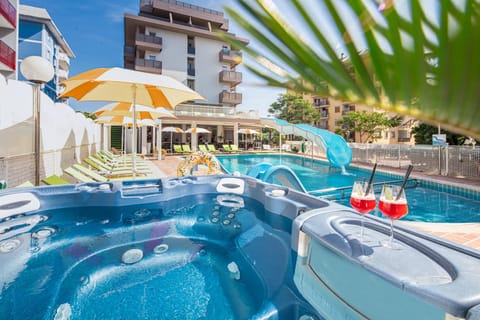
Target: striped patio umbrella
<point x="123" y="85"/>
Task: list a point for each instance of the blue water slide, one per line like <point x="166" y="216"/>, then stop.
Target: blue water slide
<point x="337" y="151"/>
<point x="257" y="171"/>
<point x="278" y="174"/>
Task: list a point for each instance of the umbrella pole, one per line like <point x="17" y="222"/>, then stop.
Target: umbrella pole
<point x="171" y="142"/>
<point x="134" y="134"/>
<point x="160" y="139"/>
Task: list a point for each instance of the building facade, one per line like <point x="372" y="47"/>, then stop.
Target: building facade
<point x="332" y="111"/>
<point x="8" y="38"/>
<point x="39" y="36"/>
<point x="181" y="40"/>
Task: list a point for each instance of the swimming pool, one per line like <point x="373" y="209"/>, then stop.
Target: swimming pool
<point x="425" y="201"/>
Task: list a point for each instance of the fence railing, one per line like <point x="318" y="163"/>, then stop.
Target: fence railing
<point x="17" y="169"/>
<point x="455" y="161"/>
<point x="449" y="160"/>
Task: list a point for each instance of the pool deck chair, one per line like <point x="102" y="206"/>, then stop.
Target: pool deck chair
<point x="202" y="147"/>
<point x="186" y="148"/>
<point x="226" y="148"/>
<point x="234" y="148"/>
<point x="177" y="148"/>
<point x="77" y="175"/>
<point x="211" y="148"/>
<point x="90" y="173"/>
<point x="54" y="180"/>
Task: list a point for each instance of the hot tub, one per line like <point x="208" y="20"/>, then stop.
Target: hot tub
<point x="212" y="247"/>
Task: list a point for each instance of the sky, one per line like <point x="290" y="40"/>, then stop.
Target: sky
<point x="94" y="31"/>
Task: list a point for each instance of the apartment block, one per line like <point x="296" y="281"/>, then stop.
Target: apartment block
<point x="332" y="111"/>
<point x="8" y="38"/>
<point x="39" y="36"/>
<point x="181" y="40"/>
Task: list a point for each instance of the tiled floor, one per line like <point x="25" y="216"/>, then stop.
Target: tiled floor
<point x="467" y="234"/>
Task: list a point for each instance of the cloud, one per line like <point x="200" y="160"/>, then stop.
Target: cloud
<point x="116" y="10"/>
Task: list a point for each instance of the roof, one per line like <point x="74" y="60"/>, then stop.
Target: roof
<point x="40" y="15"/>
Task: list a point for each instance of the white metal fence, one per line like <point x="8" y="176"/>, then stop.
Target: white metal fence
<point x="449" y="160"/>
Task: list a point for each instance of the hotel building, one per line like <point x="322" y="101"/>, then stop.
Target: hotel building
<point x="8" y="38"/>
<point x="181" y="40"/>
<point x="39" y="36"/>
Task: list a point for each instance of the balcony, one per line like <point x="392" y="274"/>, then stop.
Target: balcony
<point x="62" y="74"/>
<point x="191" y="50"/>
<point x="129" y="53"/>
<point x="63" y="61"/>
<point x="148" y="42"/>
<point x="232" y="77"/>
<point x="8" y="15"/>
<point x="152" y="66"/>
<point x="7" y="57"/>
<point x="191" y="72"/>
<point x="230" y="56"/>
<point x="233" y="98"/>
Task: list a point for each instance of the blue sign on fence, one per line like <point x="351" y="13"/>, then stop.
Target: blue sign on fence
<point x="439" y="139"/>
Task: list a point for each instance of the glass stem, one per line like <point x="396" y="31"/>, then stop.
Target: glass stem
<point x="362" y="219"/>
<point x="390" y="241"/>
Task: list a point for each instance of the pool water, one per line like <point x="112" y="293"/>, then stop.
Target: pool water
<point x="195" y="257"/>
<point x="424" y="204"/>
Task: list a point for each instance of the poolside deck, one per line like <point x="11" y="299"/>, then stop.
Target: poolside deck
<point x="467" y="234"/>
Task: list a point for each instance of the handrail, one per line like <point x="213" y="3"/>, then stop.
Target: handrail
<point x="374" y="184"/>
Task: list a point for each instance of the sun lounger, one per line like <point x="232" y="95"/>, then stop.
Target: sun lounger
<point x="177" y="148"/>
<point x="226" y="148"/>
<point x="211" y="148"/>
<point x="186" y="148"/>
<point x="120" y="175"/>
<point x="203" y="148"/>
<point x="54" y="180"/>
<point x="77" y="175"/>
<point x="90" y="173"/>
<point x="25" y="184"/>
<point x="234" y="148"/>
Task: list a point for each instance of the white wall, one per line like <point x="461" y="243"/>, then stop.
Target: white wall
<point x="208" y="67"/>
<point x="66" y="136"/>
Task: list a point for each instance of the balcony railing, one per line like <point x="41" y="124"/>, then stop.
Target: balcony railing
<point x="63" y="60"/>
<point x="150" y="42"/>
<point x="62" y="74"/>
<point x="7" y="56"/>
<point x="153" y="66"/>
<point x="189" y="110"/>
<point x="230" y="56"/>
<point x="191" y="50"/>
<point x="191" y="72"/>
<point x="230" y="76"/>
<point x="8" y="11"/>
<point x="230" y="97"/>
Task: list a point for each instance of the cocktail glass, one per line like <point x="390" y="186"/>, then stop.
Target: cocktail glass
<point x="363" y="200"/>
<point x="393" y="204"/>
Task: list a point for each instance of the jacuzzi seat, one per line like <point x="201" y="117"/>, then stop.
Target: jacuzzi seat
<point x="427" y="279"/>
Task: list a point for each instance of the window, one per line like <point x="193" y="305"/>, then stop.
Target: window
<point x="337" y="109"/>
<point x="191" y="84"/>
<point x="152" y="57"/>
<point x="191" y="45"/>
<point x="153" y="34"/>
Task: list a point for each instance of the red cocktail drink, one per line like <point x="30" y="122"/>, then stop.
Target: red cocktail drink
<point x="363" y="205"/>
<point x="393" y="209"/>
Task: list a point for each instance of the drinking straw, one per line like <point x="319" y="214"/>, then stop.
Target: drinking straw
<point x="369" y="186"/>
<point x="409" y="170"/>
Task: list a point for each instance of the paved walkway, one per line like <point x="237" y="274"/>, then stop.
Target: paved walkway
<point x="467" y="234"/>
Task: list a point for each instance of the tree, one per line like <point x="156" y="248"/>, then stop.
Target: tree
<point x="367" y="124"/>
<point x="294" y="109"/>
<point x="410" y="59"/>
<point x="88" y="115"/>
<point x="423" y="135"/>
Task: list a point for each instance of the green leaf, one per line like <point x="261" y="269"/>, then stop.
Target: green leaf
<point x="429" y="71"/>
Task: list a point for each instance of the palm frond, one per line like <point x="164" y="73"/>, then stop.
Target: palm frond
<point x="412" y="63"/>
